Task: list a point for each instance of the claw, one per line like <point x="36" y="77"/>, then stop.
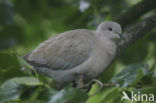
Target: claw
<point x="102" y="85"/>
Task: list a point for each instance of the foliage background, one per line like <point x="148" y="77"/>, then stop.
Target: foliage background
<point x="26" y="23"/>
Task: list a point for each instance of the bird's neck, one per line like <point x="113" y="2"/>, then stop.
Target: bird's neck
<point x="109" y="43"/>
<point x="111" y="46"/>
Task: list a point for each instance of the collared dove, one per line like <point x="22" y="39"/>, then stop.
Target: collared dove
<point x="77" y="52"/>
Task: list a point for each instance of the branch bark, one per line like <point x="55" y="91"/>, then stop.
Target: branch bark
<point x="136" y="11"/>
<point x="136" y="32"/>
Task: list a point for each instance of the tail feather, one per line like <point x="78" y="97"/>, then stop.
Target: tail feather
<point x="33" y="63"/>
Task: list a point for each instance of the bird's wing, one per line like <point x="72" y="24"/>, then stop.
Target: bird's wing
<point x="65" y="50"/>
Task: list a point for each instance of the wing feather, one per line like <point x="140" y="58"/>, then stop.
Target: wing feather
<point x="65" y="50"/>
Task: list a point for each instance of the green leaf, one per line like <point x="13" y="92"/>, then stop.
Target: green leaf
<point x="8" y="60"/>
<point x="46" y="93"/>
<point x="146" y="90"/>
<point x="23" y="63"/>
<point x="10" y="73"/>
<point x="29" y="81"/>
<point x="148" y="79"/>
<point x="9" y="90"/>
<point x="9" y="67"/>
<point x="131" y="75"/>
<point x="68" y="94"/>
<point x="26" y="66"/>
<point x="112" y="95"/>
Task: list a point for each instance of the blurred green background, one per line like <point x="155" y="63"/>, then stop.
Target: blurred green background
<point x="24" y="24"/>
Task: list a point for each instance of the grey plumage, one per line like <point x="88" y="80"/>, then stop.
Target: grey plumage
<point x="76" y="52"/>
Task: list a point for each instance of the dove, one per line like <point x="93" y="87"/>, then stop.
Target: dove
<point x="77" y="53"/>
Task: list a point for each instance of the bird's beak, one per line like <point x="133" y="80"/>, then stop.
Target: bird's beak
<point x="121" y="36"/>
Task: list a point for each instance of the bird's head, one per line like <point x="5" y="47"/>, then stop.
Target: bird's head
<point x="110" y="29"/>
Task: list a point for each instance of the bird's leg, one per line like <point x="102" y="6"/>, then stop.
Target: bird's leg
<point x="81" y="83"/>
<point x="79" y="80"/>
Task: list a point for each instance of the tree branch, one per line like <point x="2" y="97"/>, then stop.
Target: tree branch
<point x="136" y="32"/>
<point x="136" y="11"/>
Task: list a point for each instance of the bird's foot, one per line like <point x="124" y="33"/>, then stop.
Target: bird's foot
<point x="86" y="87"/>
<point x="102" y="85"/>
<point x="81" y="83"/>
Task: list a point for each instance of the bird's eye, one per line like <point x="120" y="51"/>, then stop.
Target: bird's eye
<point x="110" y="29"/>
